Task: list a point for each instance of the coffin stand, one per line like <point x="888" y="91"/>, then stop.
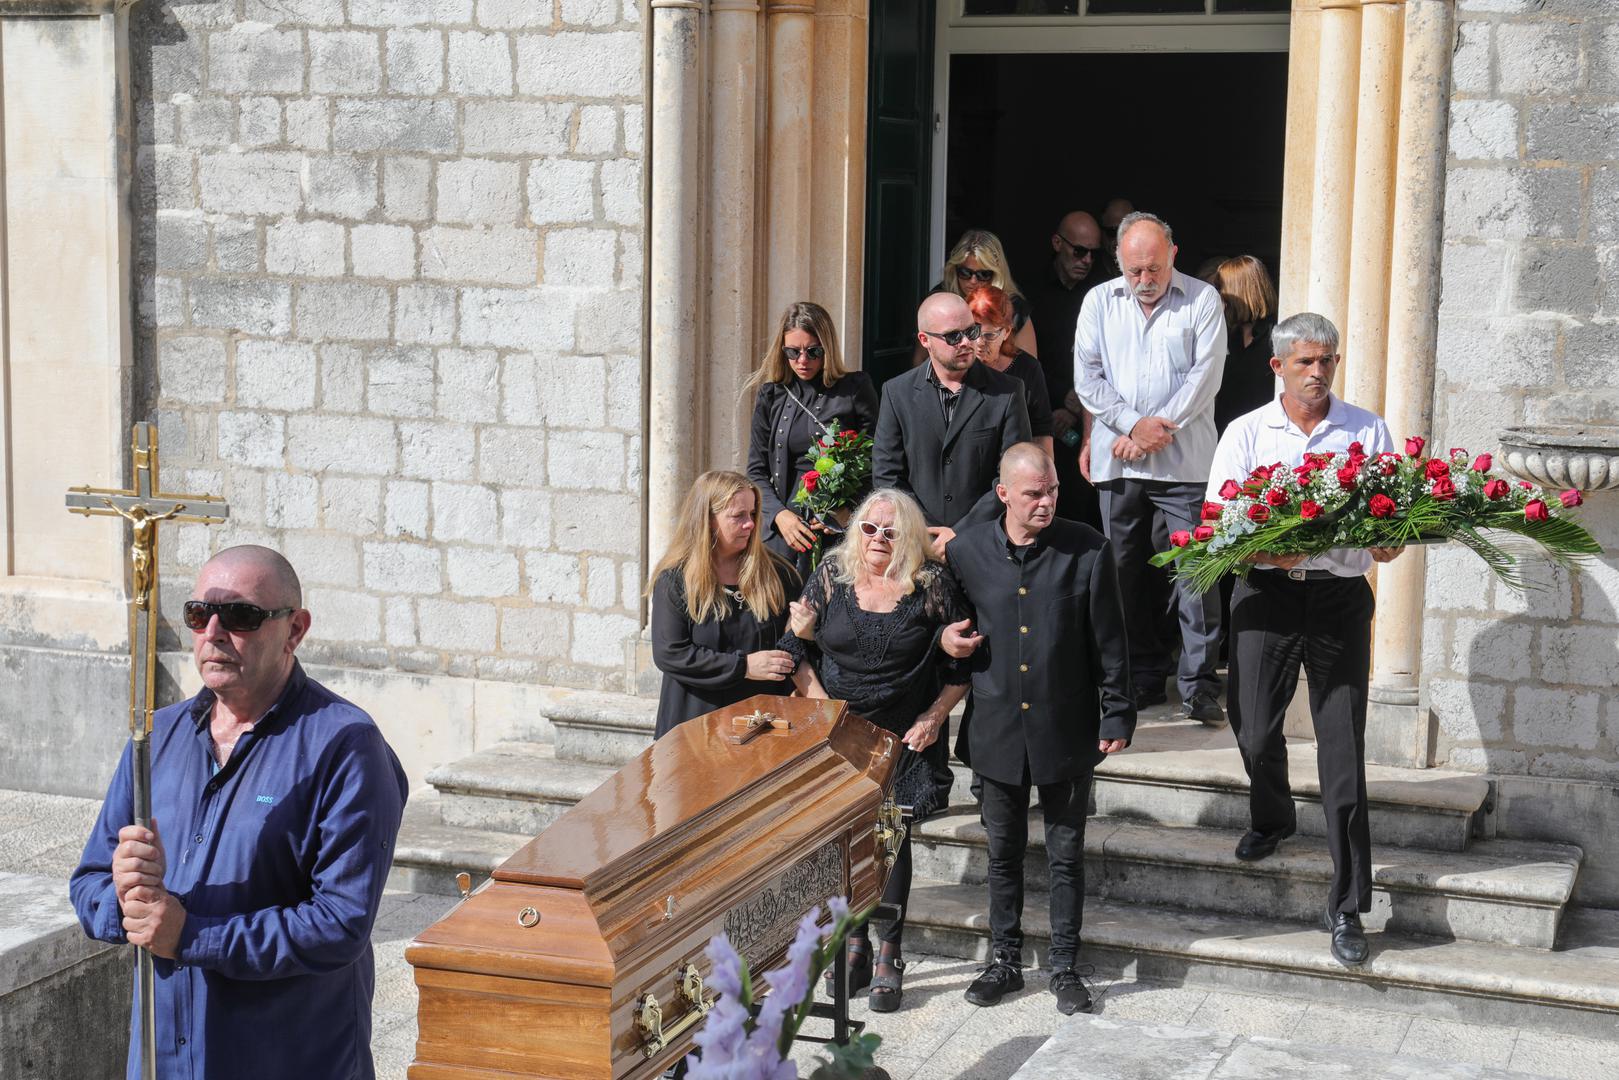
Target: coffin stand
<point x="582" y="957"/>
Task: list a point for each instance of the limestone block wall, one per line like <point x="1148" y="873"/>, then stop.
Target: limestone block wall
<point x="1522" y="685"/>
<point x="389" y="306"/>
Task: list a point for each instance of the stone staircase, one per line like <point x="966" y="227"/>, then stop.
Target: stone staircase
<point x="1467" y="926"/>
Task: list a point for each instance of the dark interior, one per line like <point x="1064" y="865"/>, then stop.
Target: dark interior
<point x="1196" y="138"/>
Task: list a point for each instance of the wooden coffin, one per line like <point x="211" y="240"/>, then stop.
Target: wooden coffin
<point x="588" y="943"/>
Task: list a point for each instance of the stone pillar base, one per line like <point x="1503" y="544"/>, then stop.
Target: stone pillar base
<point x="1399" y="729"/>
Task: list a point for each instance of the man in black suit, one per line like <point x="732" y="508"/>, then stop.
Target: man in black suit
<point x="1051" y="697"/>
<point x="942" y="426"/>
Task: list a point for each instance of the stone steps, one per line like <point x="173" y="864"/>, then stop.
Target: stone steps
<point x="1510" y="892"/>
<point x="1574" y="989"/>
<point x="1506" y="891"/>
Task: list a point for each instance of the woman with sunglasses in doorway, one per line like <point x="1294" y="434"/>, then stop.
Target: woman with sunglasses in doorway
<point x="992" y="308"/>
<point x="979" y="259"/>
<point x="800" y="390"/>
<point x="719" y="603"/>
<point x="871" y="629"/>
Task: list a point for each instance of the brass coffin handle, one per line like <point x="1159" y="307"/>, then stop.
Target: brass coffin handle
<point x="649" y="1014"/>
<point x="890" y="831"/>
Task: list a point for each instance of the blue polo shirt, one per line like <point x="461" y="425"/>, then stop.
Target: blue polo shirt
<point x="279" y="859"/>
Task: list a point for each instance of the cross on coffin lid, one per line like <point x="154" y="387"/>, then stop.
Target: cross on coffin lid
<point x="689" y="781"/>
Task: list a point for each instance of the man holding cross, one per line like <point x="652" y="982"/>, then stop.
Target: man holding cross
<point x="275" y="806"/>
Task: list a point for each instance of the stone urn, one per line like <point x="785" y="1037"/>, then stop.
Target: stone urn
<point x="1584" y="457"/>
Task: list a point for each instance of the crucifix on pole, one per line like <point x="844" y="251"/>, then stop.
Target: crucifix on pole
<point x="143" y="505"/>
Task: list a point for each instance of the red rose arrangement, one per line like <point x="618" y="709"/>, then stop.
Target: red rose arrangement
<point x="840" y="479"/>
<point x="1351" y="499"/>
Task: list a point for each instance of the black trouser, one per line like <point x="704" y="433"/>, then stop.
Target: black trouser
<point x="1005" y="812"/>
<point x="1138" y="516"/>
<point x="896" y="892"/>
<point x="1278" y="623"/>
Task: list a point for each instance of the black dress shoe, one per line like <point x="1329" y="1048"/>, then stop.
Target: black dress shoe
<point x="1255" y="845"/>
<point x="1072" y="994"/>
<point x="1204" y="707"/>
<point x="1146" y="699"/>
<point x="1349" y="946"/>
<point x="997" y="980"/>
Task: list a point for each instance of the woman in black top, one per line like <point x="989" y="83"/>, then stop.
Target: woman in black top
<point x="997" y="348"/>
<point x="719" y="604"/>
<point x="803" y="394"/>
<point x="1250" y="312"/>
<point x="870" y="630"/>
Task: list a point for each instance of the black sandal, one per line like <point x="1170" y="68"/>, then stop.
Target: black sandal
<point x="887" y="990"/>
<point x="859" y="965"/>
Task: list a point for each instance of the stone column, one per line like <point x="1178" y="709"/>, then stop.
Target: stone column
<point x="1365" y="329"/>
<point x="732" y="338"/>
<point x="675" y="239"/>
<point x="1398" y="730"/>
<point x="1298" y="166"/>
<point x="838" y="209"/>
<point x="789" y="194"/>
<point x="1337" y="92"/>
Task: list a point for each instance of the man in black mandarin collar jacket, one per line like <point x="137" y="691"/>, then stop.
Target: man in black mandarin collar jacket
<point x="1051" y="697"/>
<point x="949" y="465"/>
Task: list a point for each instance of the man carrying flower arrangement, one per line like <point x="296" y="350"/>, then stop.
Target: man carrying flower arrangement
<point x="1293" y="609"/>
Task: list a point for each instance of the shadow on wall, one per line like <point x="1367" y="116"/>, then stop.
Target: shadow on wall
<point x="1540" y="681"/>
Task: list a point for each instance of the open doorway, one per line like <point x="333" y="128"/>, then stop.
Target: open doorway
<point x="1196" y="138"/>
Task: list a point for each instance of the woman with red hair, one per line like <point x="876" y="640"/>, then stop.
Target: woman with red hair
<point x="993" y="309"/>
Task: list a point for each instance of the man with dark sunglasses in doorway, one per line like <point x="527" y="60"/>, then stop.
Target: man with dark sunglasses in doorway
<point x="943" y="425"/>
<point x="275" y="807"/>
<point x="1077" y="263"/>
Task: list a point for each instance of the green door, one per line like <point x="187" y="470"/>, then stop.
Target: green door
<point x="898" y="163"/>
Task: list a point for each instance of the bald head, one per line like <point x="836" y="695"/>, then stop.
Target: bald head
<point x="1075" y="244"/>
<point x="270" y="568"/>
<point x="1024" y="457"/>
<point x="1028" y="489"/>
<point x="942" y="312"/>
<point x="1080" y="228"/>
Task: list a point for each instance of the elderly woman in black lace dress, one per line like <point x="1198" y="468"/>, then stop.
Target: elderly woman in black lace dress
<point x="871" y="629"/>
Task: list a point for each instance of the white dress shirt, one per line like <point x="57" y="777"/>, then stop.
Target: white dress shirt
<point x="1268" y="435"/>
<point x="1128" y="365"/>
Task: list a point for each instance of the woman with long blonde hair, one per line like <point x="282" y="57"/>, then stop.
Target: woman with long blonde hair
<point x="719" y="604"/>
<point x="802" y="393"/>
<point x="979" y="258"/>
<point x="871" y="629"/>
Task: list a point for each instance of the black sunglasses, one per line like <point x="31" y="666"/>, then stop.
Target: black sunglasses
<point x="1078" y="249"/>
<point x="953" y="337"/>
<point x="816" y="352"/>
<point x="983" y="277"/>
<point x="238" y="618"/>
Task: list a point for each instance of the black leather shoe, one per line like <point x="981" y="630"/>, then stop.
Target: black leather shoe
<point x="1072" y="994"/>
<point x="997" y="980"/>
<point x="1256" y="845"/>
<point x="1204" y="707"/>
<point x="1146" y="699"/>
<point x="1349" y="945"/>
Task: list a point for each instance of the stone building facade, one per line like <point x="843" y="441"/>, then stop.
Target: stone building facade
<point x="450" y="299"/>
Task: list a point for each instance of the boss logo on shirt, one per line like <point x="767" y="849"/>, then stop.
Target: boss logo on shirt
<point x="268" y="800"/>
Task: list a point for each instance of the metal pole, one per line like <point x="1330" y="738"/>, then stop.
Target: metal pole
<point x="145" y="979"/>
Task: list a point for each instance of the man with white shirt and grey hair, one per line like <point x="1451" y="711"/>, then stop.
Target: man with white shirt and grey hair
<point x="1149" y="351"/>
<point x="1290" y="610"/>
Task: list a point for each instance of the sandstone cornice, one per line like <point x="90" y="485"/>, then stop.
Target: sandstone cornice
<point x="61" y="8"/>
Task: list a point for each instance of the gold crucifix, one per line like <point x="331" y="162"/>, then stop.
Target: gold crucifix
<point x="756" y="723"/>
<point x="143" y="506"/>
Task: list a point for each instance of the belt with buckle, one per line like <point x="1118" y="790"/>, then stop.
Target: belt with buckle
<point x="1297" y="574"/>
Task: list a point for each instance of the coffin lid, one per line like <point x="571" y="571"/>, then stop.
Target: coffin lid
<point x="688" y="775"/>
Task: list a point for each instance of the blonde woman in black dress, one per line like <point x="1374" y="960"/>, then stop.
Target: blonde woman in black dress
<point x="719" y="604"/>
